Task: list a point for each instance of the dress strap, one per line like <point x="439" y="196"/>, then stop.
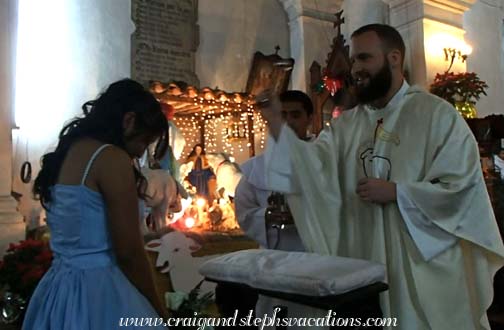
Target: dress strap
<point x="91" y="160"/>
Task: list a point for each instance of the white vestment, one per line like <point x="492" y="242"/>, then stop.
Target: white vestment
<point x="251" y="201"/>
<point x="439" y="241"/>
<point x="499" y="165"/>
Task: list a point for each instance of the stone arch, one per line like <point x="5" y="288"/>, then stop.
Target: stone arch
<point x="300" y="13"/>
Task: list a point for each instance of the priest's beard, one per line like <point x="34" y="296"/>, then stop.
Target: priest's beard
<point x="377" y="87"/>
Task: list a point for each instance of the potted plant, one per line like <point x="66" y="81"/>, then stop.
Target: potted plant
<point x="21" y="269"/>
<point x="460" y="89"/>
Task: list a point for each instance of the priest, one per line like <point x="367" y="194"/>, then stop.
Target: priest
<point x="396" y="180"/>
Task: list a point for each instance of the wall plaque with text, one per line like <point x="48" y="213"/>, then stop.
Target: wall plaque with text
<point x="164" y="43"/>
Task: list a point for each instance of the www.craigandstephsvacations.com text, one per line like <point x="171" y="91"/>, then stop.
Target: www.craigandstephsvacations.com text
<point x="330" y="320"/>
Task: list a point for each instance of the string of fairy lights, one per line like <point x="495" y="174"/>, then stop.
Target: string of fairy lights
<point x="260" y="128"/>
<point x="225" y="127"/>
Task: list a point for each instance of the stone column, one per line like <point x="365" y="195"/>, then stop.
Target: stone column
<point x="311" y="33"/>
<point x="484" y="24"/>
<point x="12" y="227"/>
<point x="362" y="12"/>
<point x="427" y="27"/>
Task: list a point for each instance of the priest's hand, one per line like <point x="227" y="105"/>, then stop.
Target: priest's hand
<point x="271" y="110"/>
<point x="376" y="190"/>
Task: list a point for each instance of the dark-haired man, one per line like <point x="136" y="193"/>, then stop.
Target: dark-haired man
<point x="252" y="194"/>
<point x="251" y="202"/>
<point x="395" y="180"/>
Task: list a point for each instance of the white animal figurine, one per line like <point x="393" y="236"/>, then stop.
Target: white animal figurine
<point x="162" y="195"/>
<point x="228" y="173"/>
<point x="174" y="256"/>
<point x="185" y="169"/>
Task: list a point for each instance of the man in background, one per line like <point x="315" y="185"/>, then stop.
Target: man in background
<point x="251" y="203"/>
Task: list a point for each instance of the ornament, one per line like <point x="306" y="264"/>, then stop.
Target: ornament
<point x="319" y="87"/>
<point x="333" y="85"/>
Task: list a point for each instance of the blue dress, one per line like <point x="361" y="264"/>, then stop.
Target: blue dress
<point x="84" y="288"/>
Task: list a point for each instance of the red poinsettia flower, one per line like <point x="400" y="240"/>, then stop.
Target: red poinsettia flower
<point x="332" y="85"/>
<point x="23" y="266"/>
<point x="44" y="257"/>
<point x="33" y="275"/>
<point x="454" y="87"/>
<point x="12" y="247"/>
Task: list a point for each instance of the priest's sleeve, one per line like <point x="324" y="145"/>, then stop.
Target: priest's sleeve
<point x="452" y="194"/>
<point x="250" y="213"/>
<point x="307" y="173"/>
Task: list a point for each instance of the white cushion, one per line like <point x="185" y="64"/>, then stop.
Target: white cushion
<point x="294" y="272"/>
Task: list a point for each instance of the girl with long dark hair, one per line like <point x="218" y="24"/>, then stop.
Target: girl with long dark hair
<point x="90" y="189"/>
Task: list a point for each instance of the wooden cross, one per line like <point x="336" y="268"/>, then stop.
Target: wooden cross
<point x="339" y="20"/>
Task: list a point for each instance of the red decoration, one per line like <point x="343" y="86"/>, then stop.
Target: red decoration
<point x="168" y="110"/>
<point x="333" y="85"/>
<point x="463" y="86"/>
<point x="23" y="266"/>
<point x="337" y="111"/>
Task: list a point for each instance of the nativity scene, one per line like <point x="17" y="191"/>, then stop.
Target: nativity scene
<point x="272" y="164"/>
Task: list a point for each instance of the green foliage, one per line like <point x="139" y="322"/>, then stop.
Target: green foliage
<point x="454" y="87"/>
